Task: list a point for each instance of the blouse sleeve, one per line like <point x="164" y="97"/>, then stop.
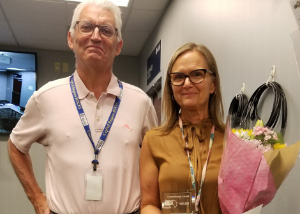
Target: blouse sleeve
<point x="148" y="177"/>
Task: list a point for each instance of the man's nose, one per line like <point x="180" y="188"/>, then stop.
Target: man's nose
<point x="96" y="34"/>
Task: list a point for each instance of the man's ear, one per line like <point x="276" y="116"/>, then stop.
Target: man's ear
<point x="70" y="40"/>
<point x="119" y="47"/>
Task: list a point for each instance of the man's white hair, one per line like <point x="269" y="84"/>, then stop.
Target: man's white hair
<point x="105" y="4"/>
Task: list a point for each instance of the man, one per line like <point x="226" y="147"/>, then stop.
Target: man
<point x="90" y="124"/>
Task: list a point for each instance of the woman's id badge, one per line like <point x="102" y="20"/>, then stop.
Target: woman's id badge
<point x="94" y="184"/>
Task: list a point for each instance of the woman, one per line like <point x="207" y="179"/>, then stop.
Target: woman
<point x="175" y="153"/>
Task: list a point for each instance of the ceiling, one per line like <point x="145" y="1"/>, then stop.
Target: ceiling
<point x="43" y="24"/>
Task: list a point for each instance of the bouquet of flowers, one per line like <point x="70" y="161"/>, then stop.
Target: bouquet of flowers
<point x="260" y="137"/>
<point x="254" y="164"/>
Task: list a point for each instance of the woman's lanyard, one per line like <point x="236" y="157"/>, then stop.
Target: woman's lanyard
<point x="85" y="123"/>
<point x="191" y="165"/>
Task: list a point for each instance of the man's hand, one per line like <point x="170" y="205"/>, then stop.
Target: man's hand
<point x="40" y="204"/>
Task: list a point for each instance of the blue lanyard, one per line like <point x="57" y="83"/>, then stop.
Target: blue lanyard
<point x="85" y="123"/>
<point x="193" y="179"/>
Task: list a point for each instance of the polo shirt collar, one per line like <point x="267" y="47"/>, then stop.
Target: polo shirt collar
<point x="113" y="86"/>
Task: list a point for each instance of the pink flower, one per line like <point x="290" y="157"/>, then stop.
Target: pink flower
<point x="258" y="130"/>
<point x="256" y="143"/>
<point x="268" y="148"/>
<point x="269" y="132"/>
<point x="267" y="137"/>
<point x="261" y="148"/>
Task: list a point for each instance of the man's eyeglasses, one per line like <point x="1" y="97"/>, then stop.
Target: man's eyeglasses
<point x="88" y="28"/>
<point x="196" y="76"/>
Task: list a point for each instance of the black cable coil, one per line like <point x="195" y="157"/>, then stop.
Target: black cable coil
<point x="236" y="108"/>
<point x="279" y="105"/>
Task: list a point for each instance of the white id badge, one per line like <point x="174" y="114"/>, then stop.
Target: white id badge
<point x="94" y="184"/>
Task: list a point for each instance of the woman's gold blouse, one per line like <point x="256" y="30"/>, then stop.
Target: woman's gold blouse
<point x="172" y="162"/>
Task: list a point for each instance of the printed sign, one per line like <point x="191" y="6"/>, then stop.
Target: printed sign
<point x="153" y="63"/>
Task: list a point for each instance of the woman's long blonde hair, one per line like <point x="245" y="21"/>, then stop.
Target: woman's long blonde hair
<point x="170" y="107"/>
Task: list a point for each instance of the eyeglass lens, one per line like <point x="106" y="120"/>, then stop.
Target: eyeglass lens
<point x="106" y="31"/>
<point x="196" y="76"/>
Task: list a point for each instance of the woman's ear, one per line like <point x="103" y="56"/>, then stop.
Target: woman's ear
<point x="212" y="88"/>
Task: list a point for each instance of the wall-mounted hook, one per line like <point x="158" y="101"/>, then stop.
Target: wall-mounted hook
<point x="242" y="91"/>
<point x="271" y="78"/>
<point x="297" y="4"/>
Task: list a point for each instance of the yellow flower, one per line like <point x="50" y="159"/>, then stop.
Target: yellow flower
<point x="243" y="133"/>
<point x="259" y="123"/>
<point x="278" y="146"/>
<point x="250" y="133"/>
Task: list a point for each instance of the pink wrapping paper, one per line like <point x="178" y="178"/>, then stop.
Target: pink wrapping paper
<point x="238" y="173"/>
<point x="246" y="179"/>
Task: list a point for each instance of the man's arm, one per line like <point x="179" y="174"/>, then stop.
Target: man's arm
<point x="22" y="165"/>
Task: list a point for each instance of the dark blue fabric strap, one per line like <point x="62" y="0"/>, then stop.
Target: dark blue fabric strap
<point x="84" y="121"/>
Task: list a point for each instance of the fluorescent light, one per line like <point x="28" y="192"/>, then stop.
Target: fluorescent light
<point x="16" y="69"/>
<point x="121" y="3"/>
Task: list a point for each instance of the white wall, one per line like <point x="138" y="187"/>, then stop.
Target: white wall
<point x="247" y="38"/>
